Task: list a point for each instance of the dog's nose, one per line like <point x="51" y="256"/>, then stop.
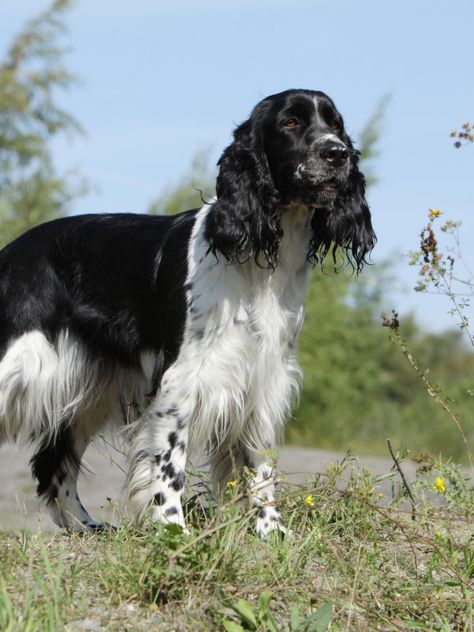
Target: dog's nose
<point x="335" y="154"/>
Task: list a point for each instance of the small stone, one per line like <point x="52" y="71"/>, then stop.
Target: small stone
<point x="83" y="624"/>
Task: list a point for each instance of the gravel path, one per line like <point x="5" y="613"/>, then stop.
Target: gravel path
<point x="100" y="487"/>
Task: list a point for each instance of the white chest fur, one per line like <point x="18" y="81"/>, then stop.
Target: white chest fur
<point x="236" y="372"/>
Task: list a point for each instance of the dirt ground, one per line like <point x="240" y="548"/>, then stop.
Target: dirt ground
<point x="100" y="485"/>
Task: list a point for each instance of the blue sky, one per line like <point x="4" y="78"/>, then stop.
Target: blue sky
<point x="161" y="80"/>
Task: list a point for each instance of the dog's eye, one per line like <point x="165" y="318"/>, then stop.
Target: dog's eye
<point x="335" y="125"/>
<point x="291" y="122"/>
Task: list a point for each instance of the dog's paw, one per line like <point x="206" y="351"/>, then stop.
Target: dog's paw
<point x="269" y="521"/>
<point x="99" y="527"/>
<point x="90" y="526"/>
<point x="171" y="517"/>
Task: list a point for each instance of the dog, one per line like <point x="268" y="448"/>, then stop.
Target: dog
<point x="182" y="328"/>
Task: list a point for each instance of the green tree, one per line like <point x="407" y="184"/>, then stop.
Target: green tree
<point x="359" y="390"/>
<point x="31" y="190"/>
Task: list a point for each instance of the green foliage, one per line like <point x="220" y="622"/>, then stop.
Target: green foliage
<point x="263" y="619"/>
<point x="31" y="191"/>
<point x="359" y="390"/>
<point x="352" y="563"/>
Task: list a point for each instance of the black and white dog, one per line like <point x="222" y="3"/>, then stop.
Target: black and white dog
<point x="187" y="323"/>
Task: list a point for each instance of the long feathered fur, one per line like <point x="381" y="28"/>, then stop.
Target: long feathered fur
<point x="245" y="219"/>
<point x="347" y="226"/>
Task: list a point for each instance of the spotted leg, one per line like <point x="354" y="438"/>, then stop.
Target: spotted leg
<point x="56" y="467"/>
<point x="225" y="466"/>
<point x="262" y="493"/>
<point x="155" y="482"/>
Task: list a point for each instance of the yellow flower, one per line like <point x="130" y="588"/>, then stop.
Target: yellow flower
<point x="438" y="534"/>
<point x="232" y="483"/>
<point x="434" y="213"/>
<point x="439" y="485"/>
<point x="309" y="501"/>
<point x="380" y="496"/>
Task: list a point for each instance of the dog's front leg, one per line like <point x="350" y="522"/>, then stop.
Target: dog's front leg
<point x="262" y="493"/>
<point x="157" y="463"/>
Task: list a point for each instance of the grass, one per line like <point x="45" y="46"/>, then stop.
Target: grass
<point x="354" y="562"/>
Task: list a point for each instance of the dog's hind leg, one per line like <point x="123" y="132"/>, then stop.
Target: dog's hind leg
<point x="56" y="467"/>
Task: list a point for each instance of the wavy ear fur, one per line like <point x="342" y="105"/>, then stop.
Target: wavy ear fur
<point x="347" y="225"/>
<point x="245" y="219"/>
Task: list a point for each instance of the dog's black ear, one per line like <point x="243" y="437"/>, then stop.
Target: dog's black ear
<point x="245" y="219"/>
<point x="347" y="225"/>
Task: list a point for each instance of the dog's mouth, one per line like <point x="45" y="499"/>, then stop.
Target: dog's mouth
<point x="328" y="186"/>
<point x="322" y="193"/>
<point x="316" y="187"/>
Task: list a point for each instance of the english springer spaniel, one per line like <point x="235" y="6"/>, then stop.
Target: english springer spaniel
<point x="183" y="328"/>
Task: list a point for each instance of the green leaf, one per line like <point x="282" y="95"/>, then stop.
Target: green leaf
<point x="320" y="619"/>
<point x="269" y="619"/>
<point x="174" y="529"/>
<point x="244" y="609"/>
<point x="294" y="618"/>
<point x="232" y="626"/>
<point x="264" y="600"/>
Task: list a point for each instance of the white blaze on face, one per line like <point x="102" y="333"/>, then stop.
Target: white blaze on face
<point x="300" y="168"/>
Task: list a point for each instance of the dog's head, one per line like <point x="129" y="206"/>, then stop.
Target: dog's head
<point x="292" y="150"/>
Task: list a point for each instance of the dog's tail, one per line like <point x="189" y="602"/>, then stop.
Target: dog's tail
<point x="43" y="386"/>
